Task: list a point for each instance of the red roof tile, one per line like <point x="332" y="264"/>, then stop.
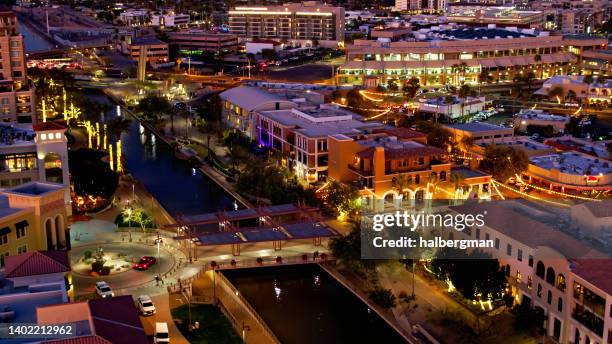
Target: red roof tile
<point x="595" y="271"/>
<point x="36" y="263"/>
<point x="92" y="339"/>
<point x="116" y="319"/>
<point x="45" y="126"/>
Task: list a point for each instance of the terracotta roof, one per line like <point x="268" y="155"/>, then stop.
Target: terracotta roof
<point x="44" y="126"/>
<point x="91" y="339"/>
<point x="398" y="153"/>
<point x="594" y="271"/>
<point x="402" y="133"/>
<point x="36" y="263"/>
<point x="116" y="319"/>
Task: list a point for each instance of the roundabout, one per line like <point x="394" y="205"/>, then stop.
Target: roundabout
<point x="119" y="257"/>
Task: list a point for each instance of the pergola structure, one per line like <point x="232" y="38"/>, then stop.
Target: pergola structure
<point x="271" y="226"/>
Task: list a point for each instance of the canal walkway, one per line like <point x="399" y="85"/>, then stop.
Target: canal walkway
<point x="210" y="172"/>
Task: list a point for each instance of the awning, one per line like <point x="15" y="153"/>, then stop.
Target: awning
<point x="5" y="230"/>
<point x="22" y="224"/>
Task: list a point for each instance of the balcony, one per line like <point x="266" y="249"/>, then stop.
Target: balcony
<point x="589" y="319"/>
<point x="360" y="172"/>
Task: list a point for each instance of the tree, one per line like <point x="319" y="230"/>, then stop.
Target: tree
<point x="116" y="127"/>
<point x="341" y="199"/>
<point x="411" y="87"/>
<point x="504" y="162"/>
<point x="347" y="249"/>
<point x="392" y="85"/>
<point x="437" y="135"/>
<point x="484" y="78"/>
<point x="459" y="70"/>
<point x="268" y="54"/>
<point x="449" y="99"/>
<point x="383" y="297"/>
<point x="529" y="319"/>
<point x="152" y="107"/>
<point x="90" y="175"/>
<point x="473" y="274"/>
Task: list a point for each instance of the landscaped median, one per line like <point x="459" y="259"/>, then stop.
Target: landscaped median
<point x="213" y="326"/>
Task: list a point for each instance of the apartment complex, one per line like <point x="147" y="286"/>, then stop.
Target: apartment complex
<point x="500" y="54"/>
<point x="421" y="6"/>
<point x="574" y="86"/>
<point x="549" y="270"/>
<point x="306" y="23"/>
<point x="17" y="98"/>
<point x="193" y="41"/>
<point x="501" y="16"/>
<point x="33" y="216"/>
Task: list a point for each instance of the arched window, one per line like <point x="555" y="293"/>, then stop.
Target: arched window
<point x="540" y="270"/>
<point x="549" y="298"/>
<point x="561" y="282"/>
<point x="507" y="270"/>
<point x="443" y="176"/>
<point x="550" y="276"/>
<point x="539" y="290"/>
<point x="560" y="304"/>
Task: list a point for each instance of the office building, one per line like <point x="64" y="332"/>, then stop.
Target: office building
<point x="17" y="97"/>
<point x="194" y="41"/>
<point x="308" y="23"/>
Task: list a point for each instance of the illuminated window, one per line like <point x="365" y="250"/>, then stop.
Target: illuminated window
<point x="58" y="135"/>
<point x="519" y="277"/>
<point x="43" y="136"/>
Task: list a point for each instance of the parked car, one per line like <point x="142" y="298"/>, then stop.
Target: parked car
<point x="104" y="290"/>
<point x="161" y="333"/>
<point x="145" y="305"/>
<point x="144" y="263"/>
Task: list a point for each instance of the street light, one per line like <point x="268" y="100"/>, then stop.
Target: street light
<point x="158" y="241"/>
<point x="129" y="211"/>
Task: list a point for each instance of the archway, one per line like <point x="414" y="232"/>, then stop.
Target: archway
<point x="50" y="234"/>
<point x="389" y="200"/>
<point x="53" y="168"/>
<point x="60" y="232"/>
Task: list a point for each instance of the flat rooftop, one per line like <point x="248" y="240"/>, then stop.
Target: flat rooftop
<point x="480" y="33"/>
<point x="322" y="121"/>
<point x="475" y="127"/>
<point x="35" y="188"/>
<point x="466" y="172"/>
<point x="542" y="116"/>
<point x="524" y="144"/>
<point x="573" y="163"/>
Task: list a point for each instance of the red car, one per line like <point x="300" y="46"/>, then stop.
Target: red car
<point x="144" y="263"/>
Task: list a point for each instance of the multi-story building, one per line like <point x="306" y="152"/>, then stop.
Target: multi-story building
<point x="549" y="270"/>
<point x="306" y="23"/>
<point x="420" y="6"/>
<point x="392" y="171"/>
<point x="17" y="98"/>
<point x="574" y="86"/>
<point x="34" y="216"/>
<point x="580" y="21"/>
<point x="169" y="19"/>
<point x="301" y="134"/>
<point x="38" y="154"/>
<point x="198" y="40"/>
<point x="501" y="16"/>
<point x="439" y="56"/>
<point x="155" y="50"/>
<point x="480" y="132"/>
<point x="133" y="17"/>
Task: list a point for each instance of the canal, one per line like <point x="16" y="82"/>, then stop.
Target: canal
<point x="180" y="188"/>
<point x="303" y="304"/>
<point x="32" y="40"/>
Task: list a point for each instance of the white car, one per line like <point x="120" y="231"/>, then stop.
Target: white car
<point x="161" y="333"/>
<point x="104" y="290"/>
<point x="145" y="305"/>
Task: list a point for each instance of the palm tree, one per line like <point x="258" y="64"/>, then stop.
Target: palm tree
<point x="466" y="142"/>
<point x="484" y="78"/>
<point x="463" y="92"/>
<point x="116" y="127"/>
<point x="449" y="99"/>
<point x="411" y="87"/>
<point x="459" y="69"/>
<point x="400" y="183"/>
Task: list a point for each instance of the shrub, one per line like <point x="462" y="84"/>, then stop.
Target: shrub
<point x="105" y="270"/>
<point x="96" y="266"/>
<point x="87" y="254"/>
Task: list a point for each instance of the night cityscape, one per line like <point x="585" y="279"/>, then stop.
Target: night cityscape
<point x="266" y="172"/>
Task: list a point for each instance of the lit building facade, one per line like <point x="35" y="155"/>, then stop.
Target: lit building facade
<point x="550" y="271"/>
<point x="192" y="41"/>
<point x="155" y="50"/>
<point x="17" y="98"/>
<point x="34" y="216"/>
<point x="302" y="23"/>
<point x="435" y="62"/>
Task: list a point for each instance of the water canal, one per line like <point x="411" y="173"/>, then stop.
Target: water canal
<point x="303" y="304"/>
